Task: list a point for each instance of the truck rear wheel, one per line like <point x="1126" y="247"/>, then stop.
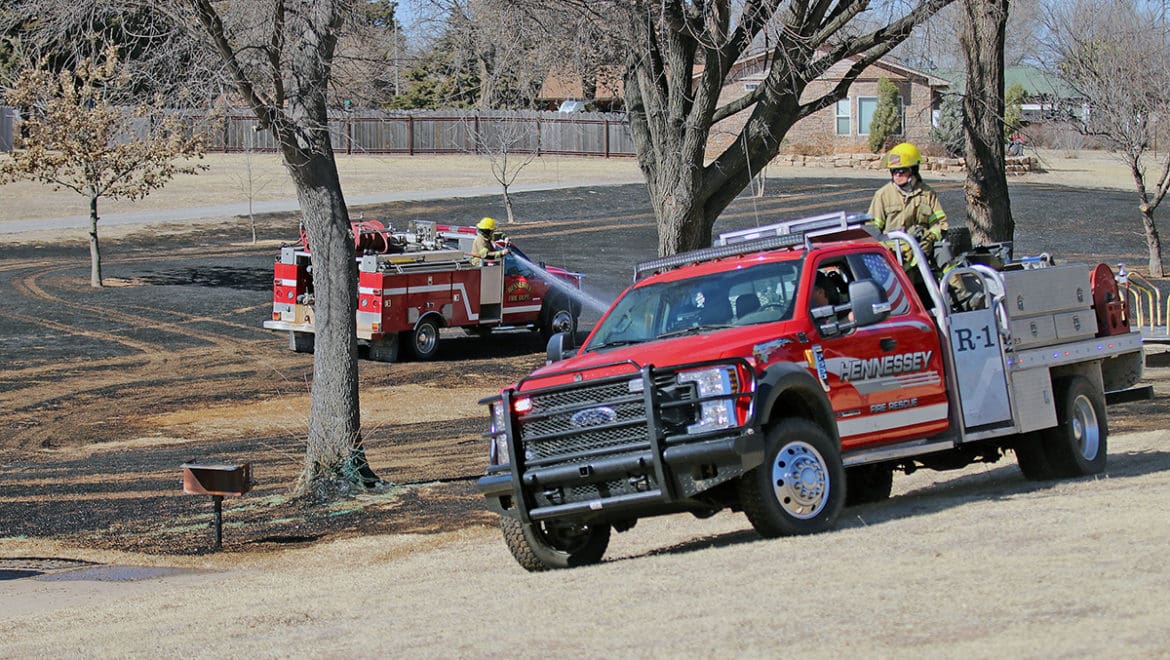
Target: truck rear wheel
<point x="423" y="341"/>
<point x="868" y="483"/>
<point x="800" y="488"/>
<point x="554" y="544"/>
<point x="558" y="317"/>
<point x="1077" y="445"/>
<point x="1032" y="457"/>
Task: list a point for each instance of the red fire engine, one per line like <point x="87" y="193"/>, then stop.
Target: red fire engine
<point x="412" y="283"/>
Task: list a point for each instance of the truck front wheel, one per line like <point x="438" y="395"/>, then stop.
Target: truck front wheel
<point x="554" y="544"/>
<point x="800" y="489"/>
<point x="1077" y="445"/>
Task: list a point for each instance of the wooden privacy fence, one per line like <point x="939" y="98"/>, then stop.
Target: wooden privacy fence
<point x="427" y="132"/>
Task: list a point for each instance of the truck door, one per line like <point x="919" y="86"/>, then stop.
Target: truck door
<point x="885" y="381"/>
<point x="977" y="350"/>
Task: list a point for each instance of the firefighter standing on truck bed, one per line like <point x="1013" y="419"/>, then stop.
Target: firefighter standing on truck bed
<point x="908" y="204"/>
<point x="484" y="245"/>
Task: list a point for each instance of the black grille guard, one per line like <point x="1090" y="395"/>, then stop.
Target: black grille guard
<point x="648" y="450"/>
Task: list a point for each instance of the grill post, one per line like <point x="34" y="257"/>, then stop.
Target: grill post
<point x="217" y="480"/>
<point x="218" y="499"/>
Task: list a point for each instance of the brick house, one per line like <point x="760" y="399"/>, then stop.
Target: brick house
<point x="843" y="127"/>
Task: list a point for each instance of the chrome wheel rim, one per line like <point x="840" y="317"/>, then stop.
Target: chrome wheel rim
<point x="1085" y="430"/>
<point x="426" y="337"/>
<point x="800" y="480"/>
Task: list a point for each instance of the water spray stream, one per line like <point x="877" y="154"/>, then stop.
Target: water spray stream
<point x="564" y="287"/>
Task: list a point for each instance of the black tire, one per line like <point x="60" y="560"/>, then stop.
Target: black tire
<point x="1078" y="444"/>
<point x="422" y="342"/>
<point x="547" y="545"/>
<point x="800" y="488"/>
<point x="384" y="349"/>
<point x="866" y="484"/>
<point x="1032" y="457"/>
<point x="558" y="316"/>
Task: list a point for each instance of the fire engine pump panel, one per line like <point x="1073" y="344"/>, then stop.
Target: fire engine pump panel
<point x="413" y="282"/>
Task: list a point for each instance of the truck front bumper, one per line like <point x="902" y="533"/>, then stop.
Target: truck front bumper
<point x="655" y="480"/>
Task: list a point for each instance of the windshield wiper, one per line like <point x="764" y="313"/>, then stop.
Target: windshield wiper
<point x="617" y="342"/>
<point x="694" y="329"/>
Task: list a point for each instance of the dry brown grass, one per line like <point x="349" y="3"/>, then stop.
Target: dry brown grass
<point x="969" y="564"/>
<point x="233" y="178"/>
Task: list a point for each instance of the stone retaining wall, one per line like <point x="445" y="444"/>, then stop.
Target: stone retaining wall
<point x="1015" y="164"/>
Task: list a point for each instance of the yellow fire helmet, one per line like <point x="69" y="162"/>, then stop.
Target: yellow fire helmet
<point x="903" y="155"/>
<point x="487" y="223"/>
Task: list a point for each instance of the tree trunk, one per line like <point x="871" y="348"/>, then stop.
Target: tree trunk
<point x="334" y="452"/>
<point x="1153" y="242"/>
<point x="508" y="205"/>
<point x="306" y="34"/>
<point x="989" y="211"/>
<point x="95" y="253"/>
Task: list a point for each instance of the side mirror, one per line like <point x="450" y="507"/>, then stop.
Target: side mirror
<point x="869" y="302"/>
<point x="558" y="345"/>
<point x="826" y="318"/>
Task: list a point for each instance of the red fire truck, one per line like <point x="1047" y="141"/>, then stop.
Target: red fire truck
<point x="722" y="378"/>
<point x="412" y="283"/>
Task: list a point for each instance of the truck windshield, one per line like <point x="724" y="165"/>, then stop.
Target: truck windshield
<point x="748" y="296"/>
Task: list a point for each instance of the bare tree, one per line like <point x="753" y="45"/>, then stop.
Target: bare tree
<point x="276" y="57"/>
<point x="989" y="208"/>
<point x="508" y="142"/>
<point x="1115" y="54"/>
<point x="279" y="55"/>
<point x="672" y="104"/>
<point x="251" y="183"/>
<point x="935" y="47"/>
<point x="490" y="42"/>
<point x="76" y="138"/>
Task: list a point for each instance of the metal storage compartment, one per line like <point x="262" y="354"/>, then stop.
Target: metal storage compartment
<point x="1047" y="290"/>
<point x="1049" y="305"/>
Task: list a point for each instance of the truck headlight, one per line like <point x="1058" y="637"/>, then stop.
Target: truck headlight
<point x="498" y="437"/>
<point x="714" y="414"/>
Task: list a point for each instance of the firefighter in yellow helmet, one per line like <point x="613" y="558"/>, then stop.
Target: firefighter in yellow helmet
<point x="908" y="204"/>
<point x="484" y="246"/>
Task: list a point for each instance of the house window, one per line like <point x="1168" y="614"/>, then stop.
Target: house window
<point x="866" y="105"/>
<point x="865" y="108"/>
<point x="843" y="117"/>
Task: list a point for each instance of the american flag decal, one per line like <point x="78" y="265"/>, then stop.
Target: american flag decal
<point x="880" y="270"/>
